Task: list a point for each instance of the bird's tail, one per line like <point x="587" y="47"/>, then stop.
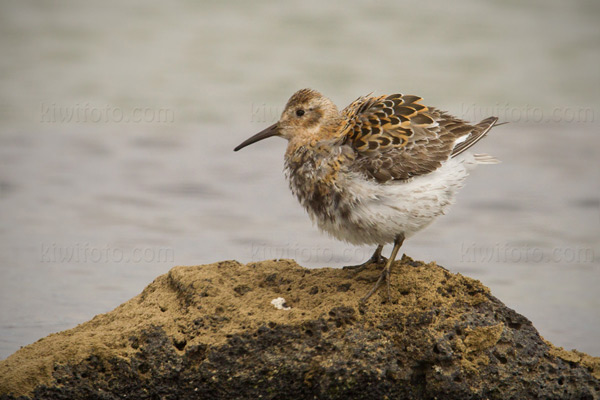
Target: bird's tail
<point x="476" y="134"/>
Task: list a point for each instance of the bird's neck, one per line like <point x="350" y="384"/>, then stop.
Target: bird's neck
<point x="310" y="138"/>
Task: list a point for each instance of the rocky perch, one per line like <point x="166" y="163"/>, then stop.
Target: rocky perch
<point x="212" y="332"/>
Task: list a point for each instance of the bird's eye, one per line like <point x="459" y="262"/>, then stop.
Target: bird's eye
<point x="300" y="112"/>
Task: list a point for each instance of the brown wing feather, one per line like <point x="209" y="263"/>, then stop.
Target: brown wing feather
<point x="395" y="137"/>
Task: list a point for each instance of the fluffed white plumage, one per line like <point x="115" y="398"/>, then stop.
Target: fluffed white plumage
<point x="380" y="211"/>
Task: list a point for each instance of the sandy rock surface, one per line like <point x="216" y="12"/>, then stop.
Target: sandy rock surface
<point x="222" y="331"/>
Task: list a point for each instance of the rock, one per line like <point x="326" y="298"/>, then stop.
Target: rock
<point x="211" y="332"/>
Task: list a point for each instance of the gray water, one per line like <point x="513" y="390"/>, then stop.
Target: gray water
<point x="117" y="124"/>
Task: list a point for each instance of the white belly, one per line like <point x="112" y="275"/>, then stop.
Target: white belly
<point x="380" y="212"/>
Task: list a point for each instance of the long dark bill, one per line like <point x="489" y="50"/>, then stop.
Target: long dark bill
<point x="273" y="130"/>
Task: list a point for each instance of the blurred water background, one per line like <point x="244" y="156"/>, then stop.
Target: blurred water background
<point x="118" y="120"/>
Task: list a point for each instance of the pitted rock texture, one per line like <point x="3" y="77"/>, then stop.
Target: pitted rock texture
<point x="211" y="331"/>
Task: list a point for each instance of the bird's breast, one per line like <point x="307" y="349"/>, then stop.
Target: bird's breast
<point x="316" y="179"/>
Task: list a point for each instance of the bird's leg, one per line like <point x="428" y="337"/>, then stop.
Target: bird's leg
<point x="387" y="270"/>
<point x="376" y="258"/>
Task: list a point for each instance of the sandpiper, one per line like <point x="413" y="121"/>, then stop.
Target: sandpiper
<point x="377" y="172"/>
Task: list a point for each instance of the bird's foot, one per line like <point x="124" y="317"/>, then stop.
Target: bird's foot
<point x="355" y="269"/>
<point x="376" y="259"/>
<point x="387" y="271"/>
<point x="385" y="276"/>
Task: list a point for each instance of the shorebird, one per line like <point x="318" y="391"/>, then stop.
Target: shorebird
<point x="377" y="172"/>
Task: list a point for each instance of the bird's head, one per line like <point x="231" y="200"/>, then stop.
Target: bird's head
<point x="308" y="114"/>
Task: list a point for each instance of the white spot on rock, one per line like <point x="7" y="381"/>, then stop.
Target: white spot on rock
<point x="279" y="303"/>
